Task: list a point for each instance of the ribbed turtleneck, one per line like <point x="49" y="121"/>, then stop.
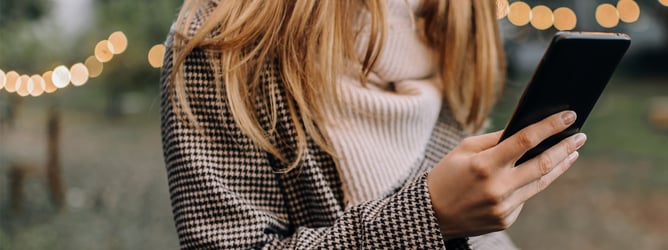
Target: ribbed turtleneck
<point x="383" y="129"/>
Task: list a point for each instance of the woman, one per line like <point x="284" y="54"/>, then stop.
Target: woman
<point x="344" y="124"/>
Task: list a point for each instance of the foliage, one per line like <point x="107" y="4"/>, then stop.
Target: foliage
<point x="12" y="11"/>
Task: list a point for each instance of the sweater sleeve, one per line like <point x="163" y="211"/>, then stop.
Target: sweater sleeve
<point x="226" y="192"/>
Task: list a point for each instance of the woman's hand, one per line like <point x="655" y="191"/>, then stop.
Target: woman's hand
<point x="476" y="189"/>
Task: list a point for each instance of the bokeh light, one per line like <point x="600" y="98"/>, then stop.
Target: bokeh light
<point x="38" y="85"/>
<point x="664" y="2"/>
<point x="607" y="15"/>
<point x="629" y="11"/>
<point x="49" y="87"/>
<point x="79" y="74"/>
<point x="541" y="17"/>
<point x="156" y="55"/>
<point x="22" y="85"/>
<point x="3" y="79"/>
<point x="502" y="8"/>
<point x="520" y="13"/>
<point x="565" y="19"/>
<point x="12" y="78"/>
<point x="61" y="77"/>
<point x="103" y="51"/>
<point x="94" y="66"/>
<point x="118" y="42"/>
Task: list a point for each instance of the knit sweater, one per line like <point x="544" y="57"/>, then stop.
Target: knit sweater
<point x="384" y="127"/>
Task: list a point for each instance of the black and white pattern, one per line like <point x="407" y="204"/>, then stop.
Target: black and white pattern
<point x="227" y="193"/>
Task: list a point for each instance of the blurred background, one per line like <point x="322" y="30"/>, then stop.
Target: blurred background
<point x="80" y="156"/>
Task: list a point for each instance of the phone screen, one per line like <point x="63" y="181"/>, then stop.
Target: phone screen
<point x="574" y="70"/>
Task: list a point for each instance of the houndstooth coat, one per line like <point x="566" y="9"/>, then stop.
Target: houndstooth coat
<point x="228" y="193"/>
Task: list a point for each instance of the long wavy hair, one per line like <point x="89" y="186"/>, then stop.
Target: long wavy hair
<point x="313" y="41"/>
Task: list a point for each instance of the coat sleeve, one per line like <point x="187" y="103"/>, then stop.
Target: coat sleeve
<point x="225" y="192"/>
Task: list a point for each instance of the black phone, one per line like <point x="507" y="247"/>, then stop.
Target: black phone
<point x="574" y="70"/>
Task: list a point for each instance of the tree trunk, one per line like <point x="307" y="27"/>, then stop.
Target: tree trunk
<point x="53" y="168"/>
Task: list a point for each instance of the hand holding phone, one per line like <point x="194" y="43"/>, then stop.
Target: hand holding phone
<point x="574" y="70"/>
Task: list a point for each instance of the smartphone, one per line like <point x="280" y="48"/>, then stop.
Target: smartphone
<point x="574" y="70"/>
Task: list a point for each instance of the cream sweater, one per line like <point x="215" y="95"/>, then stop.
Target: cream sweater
<point x="382" y="131"/>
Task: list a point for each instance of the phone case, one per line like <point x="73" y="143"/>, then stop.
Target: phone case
<point x="573" y="73"/>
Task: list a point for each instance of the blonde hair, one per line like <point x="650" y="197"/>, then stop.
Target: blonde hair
<point x="313" y="40"/>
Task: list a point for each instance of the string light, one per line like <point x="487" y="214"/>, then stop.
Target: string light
<point x="541" y="17"/>
<point x="520" y="13"/>
<point x="629" y="11"/>
<point x="61" y="76"/>
<point x="22" y="86"/>
<point x="565" y="19"/>
<point x="94" y="66"/>
<point x="38" y="85"/>
<point x="607" y="15"/>
<point x="79" y="74"/>
<point x="156" y="55"/>
<point x="12" y="78"/>
<point x="103" y="51"/>
<point x="49" y="87"/>
<point x="118" y="42"/>
<point x="502" y="8"/>
<point x="3" y="79"/>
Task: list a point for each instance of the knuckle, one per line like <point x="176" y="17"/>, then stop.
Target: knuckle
<point x="568" y="148"/>
<point x="542" y="183"/>
<point x="545" y="164"/>
<point x="525" y="140"/>
<point x="480" y="168"/>
<point x="494" y="196"/>
<point x="499" y="212"/>
<point x="468" y="141"/>
<point x="506" y="223"/>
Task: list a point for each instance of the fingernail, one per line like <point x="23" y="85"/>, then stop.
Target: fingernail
<point x="573" y="156"/>
<point x="568" y="117"/>
<point x="579" y="140"/>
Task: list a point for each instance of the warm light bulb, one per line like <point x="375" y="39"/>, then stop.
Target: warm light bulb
<point x="118" y="42"/>
<point x="79" y="74"/>
<point x="629" y="11"/>
<point x="94" y="66"/>
<point x="607" y="15"/>
<point x="664" y="2"/>
<point x="156" y="55"/>
<point x="502" y="8"/>
<point x="103" y="51"/>
<point x="541" y="17"/>
<point x="22" y="85"/>
<point x="565" y="19"/>
<point x="12" y="79"/>
<point x="38" y="85"/>
<point x="30" y="86"/>
<point x="3" y="79"/>
<point x="520" y="13"/>
<point x="49" y="87"/>
<point x="61" y="76"/>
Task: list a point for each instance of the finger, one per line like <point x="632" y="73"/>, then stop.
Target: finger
<point x="544" y="163"/>
<point x="522" y="194"/>
<point x="482" y="142"/>
<point x="511" y="149"/>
